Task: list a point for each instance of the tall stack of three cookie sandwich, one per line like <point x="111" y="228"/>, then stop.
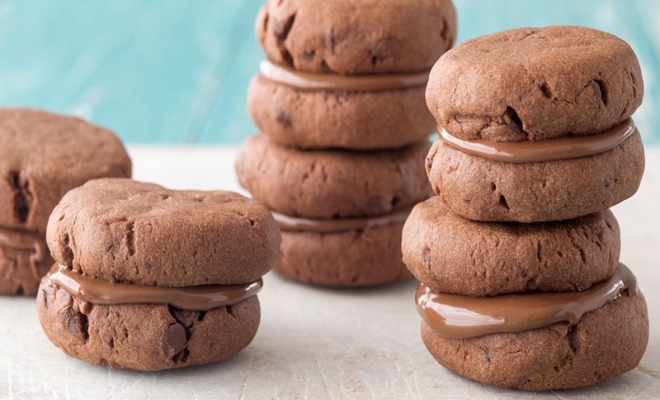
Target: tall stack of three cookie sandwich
<point x="518" y="255"/>
<point x="340" y="104"/>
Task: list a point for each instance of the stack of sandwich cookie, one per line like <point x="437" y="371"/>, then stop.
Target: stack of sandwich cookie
<point x="149" y="279"/>
<point x="518" y="255"/>
<point x="42" y="156"/>
<point x="340" y="104"/>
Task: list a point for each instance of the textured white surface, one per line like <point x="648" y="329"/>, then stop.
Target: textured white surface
<point x="314" y="343"/>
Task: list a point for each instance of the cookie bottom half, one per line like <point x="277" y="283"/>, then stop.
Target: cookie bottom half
<point x="605" y="343"/>
<point x="483" y="190"/>
<point x="352" y="258"/>
<point x="144" y="337"/>
<point x="319" y="119"/>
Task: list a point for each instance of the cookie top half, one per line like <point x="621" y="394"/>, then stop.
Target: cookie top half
<point x="132" y="232"/>
<point x="535" y="84"/>
<point x="43" y="155"/>
<point x="356" y="37"/>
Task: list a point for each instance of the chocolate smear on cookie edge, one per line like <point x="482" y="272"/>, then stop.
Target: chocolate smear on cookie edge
<point x="310" y="81"/>
<point x="544" y="150"/>
<point x="293" y="224"/>
<point x="461" y="317"/>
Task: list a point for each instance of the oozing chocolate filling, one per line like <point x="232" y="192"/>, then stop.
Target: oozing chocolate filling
<point x="293" y="224"/>
<point x="544" y="150"/>
<point x="197" y="298"/>
<point x="334" y="82"/>
<point x="460" y="317"/>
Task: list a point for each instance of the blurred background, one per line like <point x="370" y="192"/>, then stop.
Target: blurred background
<point x="176" y="71"/>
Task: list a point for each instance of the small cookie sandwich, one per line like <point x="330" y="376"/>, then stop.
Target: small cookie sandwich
<point x="151" y="279"/>
<point x="545" y="135"/>
<point x="346" y="74"/>
<point x="529" y="306"/>
<point x="340" y="214"/>
<point x="43" y="156"/>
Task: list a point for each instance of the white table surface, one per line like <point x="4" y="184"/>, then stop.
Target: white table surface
<point x="314" y="343"/>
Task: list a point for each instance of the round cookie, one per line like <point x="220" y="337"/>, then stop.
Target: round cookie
<point x="42" y="156"/>
<point x="358" y="120"/>
<point x="484" y="190"/>
<point x="333" y="183"/>
<point x="349" y="38"/>
<point x="561" y="80"/>
<point x="351" y="258"/>
<point x="451" y="254"/>
<point x="605" y="343"/>
<point x="134" y="232"/>
<point x="154" y="268"/>
<point x="144" y="337"/>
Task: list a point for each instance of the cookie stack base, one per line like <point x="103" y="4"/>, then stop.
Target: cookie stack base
<point x="353" y="258"/>
<point x="603" y="344"/>
<point x="144" y="337"/>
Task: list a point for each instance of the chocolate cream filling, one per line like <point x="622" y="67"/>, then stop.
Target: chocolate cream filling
<point x="544" y="150"/>
<point x="460" y="317"/>
<point x="294" y="224"/>
<point x="334" y="82"/>
<point x="195" y="298"/>
<point x="25" y="241"/>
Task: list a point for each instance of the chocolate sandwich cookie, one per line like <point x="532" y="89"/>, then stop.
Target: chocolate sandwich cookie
<point x="332" y="184"/>
<point x="334" y="81"/>
<point x="151" y="279"/>
<point x="539" y="341"/>
<point x="542" y="135"/>
<point x="452" y="254"/>
<point x="42" y="156"/>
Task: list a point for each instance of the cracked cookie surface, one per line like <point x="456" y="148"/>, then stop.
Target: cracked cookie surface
<point x="133" y="232"/>
<point x="535" y="84"/>
<point x="451" y="254"/>
<point x="349" y="37"/>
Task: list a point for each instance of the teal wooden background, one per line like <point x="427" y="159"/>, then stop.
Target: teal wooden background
<point x="176" y="71"/>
